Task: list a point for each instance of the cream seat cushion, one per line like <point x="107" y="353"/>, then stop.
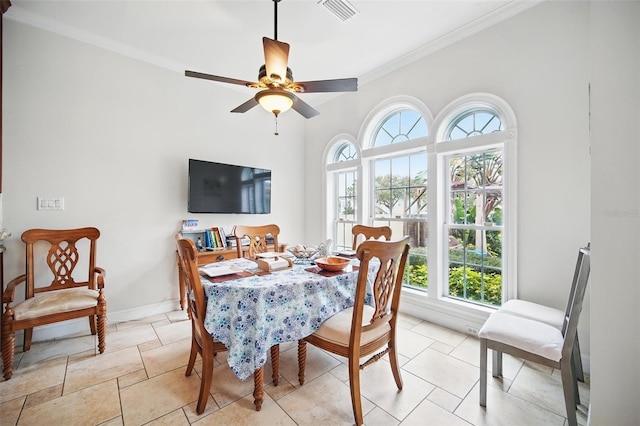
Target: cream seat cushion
<point x="56" y="301"/>
<point x="337" y="329"/>
<point x="529" y="335"/>
<point x="522" y="308"/>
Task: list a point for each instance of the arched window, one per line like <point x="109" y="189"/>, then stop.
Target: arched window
<point x="400" y="126"/>
<point x="474" y="153"/>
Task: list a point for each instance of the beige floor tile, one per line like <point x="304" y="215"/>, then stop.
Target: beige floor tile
<point x="147" y="346"/>
<point x="379" y="417"/>
<point x="439" y="333"/>
<point x="442" y="347"/>
<point x="243" y="413"/>
<point x="43" y="396"/>
<point x="130" y="337"/>
<point x="101" y="368"/>
<point x="116" y="421"/>
<point x="142" y="321"/>
<point x="435" y="414"/>
<point x="193" y="416"/>
<point x="174" y="331"/>
<point x="51" y="349"/>
<point x="32" y="379"/>
<point x="378" y="386"/>
<point x="444" y="399"/>
<point x="158" y="396"/>
<point x="174" y="418"/>
<point x="179" y="315"/>
<point x="450" y="374"/>
<point x="132" y="378"/>
<point x="89" y="406"/>
<point x="10" y="411"/>
<point x="410" y="343"/>
<point x="542" y="389"/>
<point x="324" y="400"/>
<point x="504" y="409"/>
<point x="167" y="357"/>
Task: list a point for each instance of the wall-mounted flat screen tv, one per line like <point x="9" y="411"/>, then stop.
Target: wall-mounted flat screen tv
<point x="228" y="188"/>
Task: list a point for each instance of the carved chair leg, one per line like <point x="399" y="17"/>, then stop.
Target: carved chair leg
<point x="8" y="351"/>
<point x="258" y="385"/>
<point x="102" y="332"/>
<point x="275" y="364"/>
<point x="302" y="360"/>
<point x="192" y="357"/>
<point x="205" y="383"/>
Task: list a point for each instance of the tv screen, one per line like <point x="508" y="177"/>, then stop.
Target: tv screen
<point x="227" y="188"/>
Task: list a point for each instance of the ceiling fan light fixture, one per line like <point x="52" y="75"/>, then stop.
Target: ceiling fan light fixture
<point x="275" y="101"/>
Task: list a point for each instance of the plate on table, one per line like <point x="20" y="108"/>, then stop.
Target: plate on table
<point x="213" y="271"/>
<point x="347" y="252"/>
<point x="272" y="254"/>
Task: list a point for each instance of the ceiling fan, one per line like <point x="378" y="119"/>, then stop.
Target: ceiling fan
<point x="275" y="79"/>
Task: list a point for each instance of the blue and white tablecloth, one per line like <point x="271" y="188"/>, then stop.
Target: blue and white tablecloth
<point x="251" y="314"/>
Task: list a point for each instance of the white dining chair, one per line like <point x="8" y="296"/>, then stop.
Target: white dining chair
<point x="536" y="341"/>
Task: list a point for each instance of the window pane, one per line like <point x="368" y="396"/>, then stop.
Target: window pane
<point x="474" y="248"/>
<point x="401" y="126"/>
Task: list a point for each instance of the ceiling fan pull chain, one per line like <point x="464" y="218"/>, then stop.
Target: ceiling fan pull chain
<point x="276" y="121"/>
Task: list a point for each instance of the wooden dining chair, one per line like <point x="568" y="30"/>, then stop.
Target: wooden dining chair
<point x="537" y="342"/>
<point x="201" y="341"/>
<point x="258" y="236"/>
<point x="364" y="232"/>
<point x="58" y="293"/>
<point x="362" y="330"/>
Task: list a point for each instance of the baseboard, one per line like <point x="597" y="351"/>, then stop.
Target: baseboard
<point x="81" y="325"/>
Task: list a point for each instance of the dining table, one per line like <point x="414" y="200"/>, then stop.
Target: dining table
<point x="251" y="310"/>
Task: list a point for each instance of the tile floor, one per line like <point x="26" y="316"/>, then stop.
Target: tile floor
<point x="140" y="380"/>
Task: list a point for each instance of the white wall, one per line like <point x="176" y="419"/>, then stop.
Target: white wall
<point x="615" y="212"/>
<point x="538" y="62"/>
<point x="112" y="135"/>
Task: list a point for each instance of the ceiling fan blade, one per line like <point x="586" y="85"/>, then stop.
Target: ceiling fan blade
<point x="217" y="78"/>
<point x="246" y="106"/>
<point x="276" y="57"/>
<point x="304" y="109"/>
<point x="338" y="85"/>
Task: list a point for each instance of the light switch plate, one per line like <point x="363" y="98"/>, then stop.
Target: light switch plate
<point x="50" y="203"/>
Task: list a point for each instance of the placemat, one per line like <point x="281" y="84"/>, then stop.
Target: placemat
<point x="318" y="270"/>
<point x="235" y="276"/>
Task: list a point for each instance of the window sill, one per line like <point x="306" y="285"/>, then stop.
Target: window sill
<point x="454" y="314"/>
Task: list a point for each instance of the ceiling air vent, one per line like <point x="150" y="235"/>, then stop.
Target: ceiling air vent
<point x="340" y="8"/>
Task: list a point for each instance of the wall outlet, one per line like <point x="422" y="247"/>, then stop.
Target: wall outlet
<point x="471" y="330"/>
<point x="50" y="203"/>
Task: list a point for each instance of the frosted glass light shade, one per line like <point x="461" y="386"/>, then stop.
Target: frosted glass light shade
<point x="275" y="101"/>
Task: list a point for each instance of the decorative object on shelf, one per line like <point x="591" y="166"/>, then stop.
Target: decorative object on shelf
<point x="190" y="224"/>
<point x="332" y="263"/>
<point x="303" y="254"/>
<point x="4" y="234"/>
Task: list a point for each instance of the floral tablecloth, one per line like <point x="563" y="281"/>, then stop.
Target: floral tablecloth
<point x="251" y="314"/>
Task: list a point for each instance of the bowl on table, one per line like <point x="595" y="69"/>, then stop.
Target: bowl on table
<point x="332" y="263"/>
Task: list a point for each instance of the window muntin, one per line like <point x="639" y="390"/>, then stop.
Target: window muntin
<point x="400" y="201"/>
<point x="400" y="126"/>
<point x="346" y="208"/>
<point x="480" y="121"/>
<point x="474" y="224"/>
<point x="346" y="152"/>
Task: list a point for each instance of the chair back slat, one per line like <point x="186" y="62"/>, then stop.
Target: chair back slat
<point x="387" y="283"/>
<point x="196" y="300"/>
<point x="579" y="287"/>
<point x="257" y="238"/>
<point x="364" y="232"/>
<point x="63" y="256"/>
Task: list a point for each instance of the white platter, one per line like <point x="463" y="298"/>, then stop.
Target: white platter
<point x="347" y="252"/>
<point x="213" y="271"/>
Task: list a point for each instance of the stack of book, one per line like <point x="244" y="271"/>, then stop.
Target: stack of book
<point x="215" y="238"/>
